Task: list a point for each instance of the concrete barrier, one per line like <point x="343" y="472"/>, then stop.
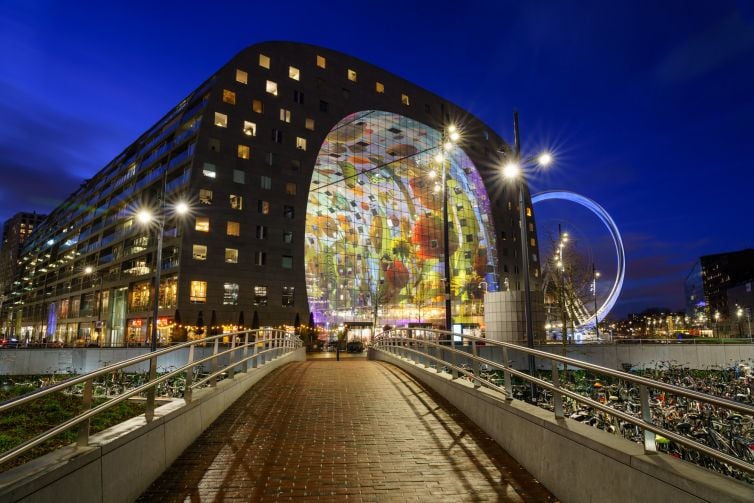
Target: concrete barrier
<point x="576" y="462"/>
<point x="121" y="462"/>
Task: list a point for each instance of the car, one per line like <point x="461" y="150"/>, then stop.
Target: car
<point x="10" y="342"/>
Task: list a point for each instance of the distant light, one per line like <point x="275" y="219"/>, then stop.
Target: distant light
<point x="50" y="242"/>
<point x="511" y="170"/>
<point x="144" y="216"/>
<point x="454" y="136"/>
<point x="597" y="274"/>
<point x="452" y="128"/>
<point x="88" y="269"/>
<point x="448" y="146"/>
<point x="432" y="174"/>
<point x="181" y="207"/>
<point x="439" y="158"/>
<point x="545" y="159"/>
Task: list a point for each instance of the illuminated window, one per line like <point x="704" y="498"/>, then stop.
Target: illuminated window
<point x="290" y="188"/>
<point x="300" y="143"/>
<point x="257" y="106"/>
<point x="205" y="196"/>
<point x="285" y="115"/>
<point x="221" y="120"/>
<point x="260" y="258"/>
<point x="528" y="211"/>
<point x="288" y="237"/>
<point x="379" y="87"/>
<point x="230" y="294"/>
<point x="260" y="295"/>
<point x="202" y="224"/>
<point x="272" y="88"/>
<point x="233" y="229"/>
<point x="249" y="128"/>
<point x="199" y="252"/>
<point x="266" y="182"/>
<point x="309" y="124"/>
<point x="287" y="262"/>
<point x="242" y="76"/>
<point x="405" y="100"/>
<point x="321" y="61"/>
<point x="533" y="242"/>
<point x="236" y="202"/>
<point x="209" y="170"/>
<point x="231" y="256"/>
<point x="288" y="296"/>
<point x="294" y="73"/>
<point x="244" y="152"/>
<point x="229" y="97"/>
<point x="264" y="61"/>
<point x="261" y="232"/>
<point x="263" y="207"/>
<point x="239" y="176"/>
<point x="198" y="292"/>
<point x="352" y="75"/>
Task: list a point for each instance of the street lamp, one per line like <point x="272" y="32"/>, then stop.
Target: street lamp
<point x="450" y="136"/>
<point x="90" y="271"/>
<point x="717" y="318"/>
<point x="147" y="217"/>
<point x="513" y="170"/>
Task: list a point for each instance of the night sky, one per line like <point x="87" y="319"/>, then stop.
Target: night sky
<point x="648" y="106"/>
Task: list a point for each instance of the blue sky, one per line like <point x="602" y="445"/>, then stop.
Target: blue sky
<point x="648" y="105"/>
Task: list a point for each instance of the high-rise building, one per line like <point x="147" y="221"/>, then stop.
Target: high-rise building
<point x="315" y="182"/>
<point x="722" y="271"/>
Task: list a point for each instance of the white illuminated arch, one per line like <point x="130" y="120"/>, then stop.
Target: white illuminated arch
<point x="612" y="298"/>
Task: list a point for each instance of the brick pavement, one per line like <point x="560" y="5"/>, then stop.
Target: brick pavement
<point x="353" y="430"/>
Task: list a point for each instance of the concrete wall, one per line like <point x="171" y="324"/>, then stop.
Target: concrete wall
<point x="121" y="462"/>
<point x="576" y="462"/>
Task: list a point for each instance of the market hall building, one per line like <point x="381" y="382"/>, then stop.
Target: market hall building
<point x="315" y="186"/>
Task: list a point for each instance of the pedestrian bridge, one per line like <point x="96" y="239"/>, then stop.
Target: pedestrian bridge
<point x="421" y="419"/>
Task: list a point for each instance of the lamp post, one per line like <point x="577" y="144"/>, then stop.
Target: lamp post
<point x="513" y="170"/>
<point x="450" y="136"/>
<point x="595" y="275"/>
<point x="146" y="217"/>
<point x="717" y="318"/>
<point x="90" y="271"/>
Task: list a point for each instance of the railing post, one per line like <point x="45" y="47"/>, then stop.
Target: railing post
<point x="187" y="391"/>
<point x="254" y="351"/>
<point x="650" y="446"/>
<point x="213" y="369"/>
<point x="86" y="404"/>
<point x="232" y="357"/>
<point x="475" y="365"/>
<point x="507" y="375"/>
<point x="557" y="398"/>
<point x="149" y="412"/>
<point x="245" y="352"/>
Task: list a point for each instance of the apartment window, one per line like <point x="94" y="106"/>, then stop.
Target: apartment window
<point x="202" y="224"/>
<point x="249" y="128"/>
<point x="294" y="73"/>
<point x="300" y="143"/>
<point x="260" y="258"/>
<point x="244" y="152"/>
<point x="230" y="294"/>
<point x="405" y="100"/>
<point x="295" y="164"/>
<point x="309" y="124"/>
<point x="288" y="212"/>
<point x="233" y="229"/>
<point x="229" y="97"/>
<point x="264" y="61"/>
<point x="231" y="256"/>
<point x="290" y="188"/>
<point x="242" y="76"/>
<point x="287" y="262"/>
<point x="214" y="145"/>
<point x="261" y="232"/>
<point x="321" y="61"/>
<point x="277" y="136"/>
<point x="199" y="252"/>
<point x="266" y="182"/>
<point x="257" y="106"/>
<point x="288" y="296"/>
<point x="198" y="292"/>
<point x="205" y="196"/>
<point x="209" y="170"/>
<point x="323" y="106"/>
<point x="221" y="120"/>
<point x="352" y="75"/>
<point x="236" y="202"/>
<point x="379" y="87"/>
<point x="260" y="295"/>
<point x="285" y="115"/>
<point x="263" y="207"/>
<point x="272" y="88"/>
<point x="239" y="176"/>
<point x="270" y="158"/>
<point x="287" y="237"/>
<point x="298" y="97"/>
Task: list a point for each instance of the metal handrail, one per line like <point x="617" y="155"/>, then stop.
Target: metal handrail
<point x="276" y="342"/>
<point x="392" y="342"/>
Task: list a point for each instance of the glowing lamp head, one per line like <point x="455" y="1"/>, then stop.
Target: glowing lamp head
<point x="88" y="269"/>
<point x="181" y="207"/>
<point x="454" y="136"/>
<point x="448" y="146"/>
<point x="439" y="158"/>
<point x="144" y="216"/>
<point x="511" y="170"/>
<point x="544" y="159"/>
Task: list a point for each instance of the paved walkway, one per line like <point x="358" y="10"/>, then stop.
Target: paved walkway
<point x="352" y="430"/>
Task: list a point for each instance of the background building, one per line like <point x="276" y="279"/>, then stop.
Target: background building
<point x="315" y="186"/>
<point x="722" y="271"/>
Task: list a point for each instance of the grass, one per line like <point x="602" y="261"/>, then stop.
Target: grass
<point x="28" y="421"/>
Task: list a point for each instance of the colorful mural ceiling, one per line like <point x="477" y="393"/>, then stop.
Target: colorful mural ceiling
<point x="374" y="225"/>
